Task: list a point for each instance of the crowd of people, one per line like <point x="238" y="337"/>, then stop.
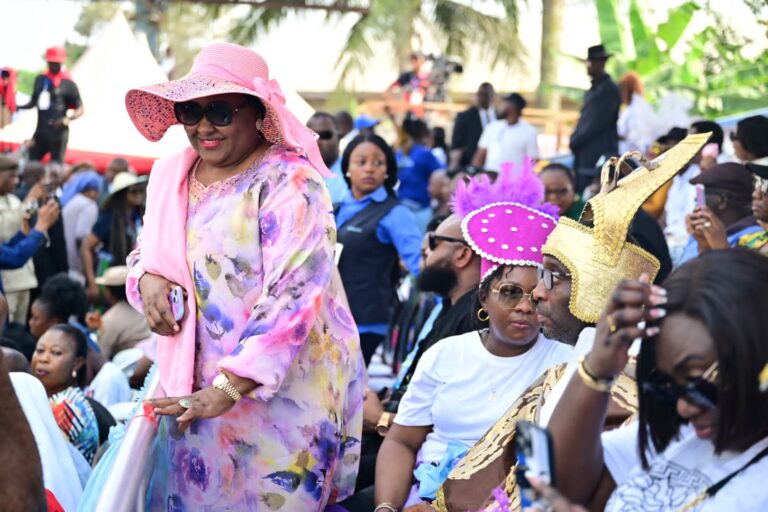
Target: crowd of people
<point x="269" y="270"/>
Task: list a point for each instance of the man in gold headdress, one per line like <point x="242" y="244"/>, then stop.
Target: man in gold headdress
<point x="583" y="263"/>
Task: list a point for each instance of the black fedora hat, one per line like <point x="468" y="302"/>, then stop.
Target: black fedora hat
<point x="597" y="53"/>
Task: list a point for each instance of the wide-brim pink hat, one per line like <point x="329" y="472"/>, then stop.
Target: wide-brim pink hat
<point x="224" y="68"/>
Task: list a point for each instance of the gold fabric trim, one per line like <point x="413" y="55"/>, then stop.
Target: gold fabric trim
<point x="492" y="445"/>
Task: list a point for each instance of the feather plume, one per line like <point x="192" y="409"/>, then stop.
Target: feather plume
<point x="519" y="186"/>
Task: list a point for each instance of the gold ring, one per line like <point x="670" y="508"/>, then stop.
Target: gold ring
<point x="611" y="324"/>
<point x="185" y="403"/>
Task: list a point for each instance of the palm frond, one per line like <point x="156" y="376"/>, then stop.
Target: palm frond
<point x="258" y="21"/>
<point x="464" y="27"/>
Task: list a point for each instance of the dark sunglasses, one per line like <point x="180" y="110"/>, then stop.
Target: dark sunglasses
<point x="219" y="113"/>
<point x="326" y="135"/>
<point x="434" y="241"/>
<point x="135" y="190"/>
<point x="699" y="391"/>
<point x="548" y="276"/>
<point x="510" y="295"/>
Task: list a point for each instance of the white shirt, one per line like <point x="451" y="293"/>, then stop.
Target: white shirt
<point x="487" y="115"/>
<point x="676" y="476"/>
<point x="79" y="216"/>
<point x="110" y="386"/>
<point x="506" y="142"/>
<point x="681" y="200"/>
<point x="452" y="386"/>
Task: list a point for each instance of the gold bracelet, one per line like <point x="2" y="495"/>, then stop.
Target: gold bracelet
<point x="592" y="382"/>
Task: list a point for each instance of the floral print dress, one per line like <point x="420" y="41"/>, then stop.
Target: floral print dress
<point x="270" y="307"/>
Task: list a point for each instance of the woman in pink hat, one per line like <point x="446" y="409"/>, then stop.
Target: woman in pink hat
<point x="464" y="384"/>
<point x="262" y="373"/>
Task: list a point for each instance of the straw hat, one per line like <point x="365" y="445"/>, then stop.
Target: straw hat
<point x="114" y="276"/>
<point x="122" y="181"/>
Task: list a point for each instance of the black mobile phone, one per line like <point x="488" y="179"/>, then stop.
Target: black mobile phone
<point x="535" y="456"/>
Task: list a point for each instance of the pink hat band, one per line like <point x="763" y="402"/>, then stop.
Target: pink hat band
<point x="224" y="68"/>
<point x="507" y="233"/>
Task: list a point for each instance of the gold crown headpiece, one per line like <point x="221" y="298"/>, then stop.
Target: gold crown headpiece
<point x="599" y="257"/>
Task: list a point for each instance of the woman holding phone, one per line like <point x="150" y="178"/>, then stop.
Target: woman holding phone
<point x="263" y="372"/>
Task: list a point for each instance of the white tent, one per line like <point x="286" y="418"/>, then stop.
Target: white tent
<point x="116" y="63"/>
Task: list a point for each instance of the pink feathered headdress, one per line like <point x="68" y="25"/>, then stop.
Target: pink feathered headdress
<point x="505" y="221"/>
<point x="224" y="68"/>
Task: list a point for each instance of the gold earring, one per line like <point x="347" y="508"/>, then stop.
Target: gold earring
<point x="480" y="315"/>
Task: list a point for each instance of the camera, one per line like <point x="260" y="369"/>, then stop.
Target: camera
<point x="442" y="68"/>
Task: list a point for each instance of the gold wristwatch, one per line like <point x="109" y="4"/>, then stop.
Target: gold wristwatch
<point x="385" y="421"/>
<point x="222" y="382"/>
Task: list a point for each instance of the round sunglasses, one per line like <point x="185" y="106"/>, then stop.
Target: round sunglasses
<point x="510" y="295"/>
<point x="218" y="113"/>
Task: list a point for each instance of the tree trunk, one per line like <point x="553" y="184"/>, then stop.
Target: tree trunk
<point x="551" y="31"/>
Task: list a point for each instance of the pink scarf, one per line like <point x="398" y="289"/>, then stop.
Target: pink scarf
<point x="164" y="252"/>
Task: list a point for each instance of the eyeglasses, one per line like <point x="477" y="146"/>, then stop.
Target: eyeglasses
<point x="699" y="391"/>
<point x="434" y="241"/>
<point x="761" y="186"/>
<point x="326" y="135"/>
<point x="510" y="295"/>
<point x="219" y="113"/>
<point x="548" y="276"/>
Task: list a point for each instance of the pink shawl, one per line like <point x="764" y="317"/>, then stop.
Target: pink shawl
<point x="163" y="251"/>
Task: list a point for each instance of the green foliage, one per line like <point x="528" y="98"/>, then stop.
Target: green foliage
<point x="25" y="81"/>
<point x="714" y="72"/>
<point x="395" y="24"/>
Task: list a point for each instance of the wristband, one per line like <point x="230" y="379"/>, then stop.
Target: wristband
<point x="385" y="506"/>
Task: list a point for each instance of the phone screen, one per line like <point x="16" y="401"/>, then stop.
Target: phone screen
<point x="533" y="447"/>
<point x="701" y="197"/>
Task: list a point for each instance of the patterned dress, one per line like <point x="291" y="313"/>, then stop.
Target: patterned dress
<point x="260" y="246"/>
<point x="76" y="419"/>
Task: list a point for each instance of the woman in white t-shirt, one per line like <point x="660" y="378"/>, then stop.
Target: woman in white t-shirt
<point x="463" y="384"/>
<point x="701" y="442"/>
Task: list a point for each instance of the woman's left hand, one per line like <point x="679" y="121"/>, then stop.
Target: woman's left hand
<point x="553" y="500"/>
<point x="204" y="404"/>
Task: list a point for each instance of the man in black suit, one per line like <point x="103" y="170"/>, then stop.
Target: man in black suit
<point x="596" y="133"/>
<point x="469" y="127"/>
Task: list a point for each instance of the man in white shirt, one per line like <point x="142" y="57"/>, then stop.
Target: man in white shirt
<point x="507" y="140"/>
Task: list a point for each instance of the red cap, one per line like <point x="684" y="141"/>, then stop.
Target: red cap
<point x="56" y="54"/>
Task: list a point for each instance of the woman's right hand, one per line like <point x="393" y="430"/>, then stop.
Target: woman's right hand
<point x="154" y="292"/>
<point x="632" y="302"/>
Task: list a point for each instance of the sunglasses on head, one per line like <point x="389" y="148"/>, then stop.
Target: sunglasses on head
<point x="549" y="276"/>
<point x="218" y="113"/>
<point x="434" y="241"/>
<point x="698" y="391"/>
<point x="510" y="295"/>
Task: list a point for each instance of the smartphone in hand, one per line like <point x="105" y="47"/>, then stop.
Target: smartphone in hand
<point x="701" y="197"/>
<point x="176" y="299"/>
<point x="535" y="456"/>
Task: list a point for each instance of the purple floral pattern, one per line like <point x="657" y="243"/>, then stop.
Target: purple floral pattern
<point x="270" y="308"/>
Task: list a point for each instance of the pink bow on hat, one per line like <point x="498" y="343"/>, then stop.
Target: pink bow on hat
<point x="269" y="90"/>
